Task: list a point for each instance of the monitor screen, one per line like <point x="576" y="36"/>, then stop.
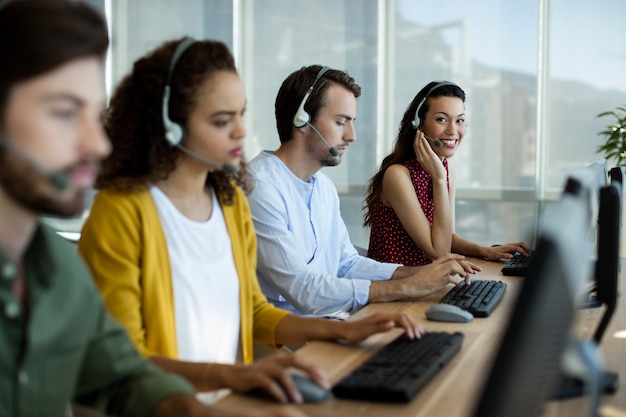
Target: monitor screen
<point x="607" y="263"/>
<point x="587" y="181"/>
<point x="526" y="369"/>
<point x="605" y="291"/>
<point x="617" y="175"/>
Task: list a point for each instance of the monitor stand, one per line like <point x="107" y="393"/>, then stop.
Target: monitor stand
<point x="589" y="299"/>
<point x="573" y="387"/>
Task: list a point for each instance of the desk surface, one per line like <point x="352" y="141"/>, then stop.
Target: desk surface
<point x="452" y="391"/>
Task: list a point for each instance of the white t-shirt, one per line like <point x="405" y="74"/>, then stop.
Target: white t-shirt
<point x="204" y="281"/>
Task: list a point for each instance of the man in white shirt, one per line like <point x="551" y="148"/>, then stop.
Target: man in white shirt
<point x="306" y="262"/>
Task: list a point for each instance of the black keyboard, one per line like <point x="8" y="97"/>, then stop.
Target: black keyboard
<point x="479" y="298"/>
<point x="517" y="265"/>
<point x="400" y="369"/>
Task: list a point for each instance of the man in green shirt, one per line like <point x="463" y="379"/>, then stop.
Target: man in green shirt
<point x="57" y="342"/>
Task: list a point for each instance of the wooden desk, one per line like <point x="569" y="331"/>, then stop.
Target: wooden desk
<point x="454" y="390"/>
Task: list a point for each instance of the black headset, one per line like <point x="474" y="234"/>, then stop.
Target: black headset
<point x="174" y="132"/>
<point x="416" y="120"/>
<point x="302" y="118"/>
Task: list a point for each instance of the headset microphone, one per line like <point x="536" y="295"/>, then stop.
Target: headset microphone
<point x="174" y="132"/>
<point x="417" y="123"/>
<point x="333" y="151"/>
<point x="436" y="142"/>
<point x="228" y="169"/>
<point x="58" y="179"/>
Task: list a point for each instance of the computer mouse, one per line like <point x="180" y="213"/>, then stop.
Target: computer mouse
<point x="449" y="313"/>
<point x="310" y="391"/>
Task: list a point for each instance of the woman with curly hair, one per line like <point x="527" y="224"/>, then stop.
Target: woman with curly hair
<point x="410" y="200"/>
<point x="170" y="240"/>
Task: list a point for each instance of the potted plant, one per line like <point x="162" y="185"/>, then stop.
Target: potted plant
<point x="614" y="147"/>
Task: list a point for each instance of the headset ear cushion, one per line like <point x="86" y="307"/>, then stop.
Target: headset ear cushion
<point x="174" y="133"/>
<point x="301" y="119"/>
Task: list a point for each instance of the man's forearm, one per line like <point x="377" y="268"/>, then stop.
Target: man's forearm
<point x="405" y="271"/>
<point x="398" y="289"/>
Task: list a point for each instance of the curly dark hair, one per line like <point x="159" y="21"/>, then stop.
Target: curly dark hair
<point x="294" y="88"/>
<point x="134" y="120"/>
<point x="403" y="146"/>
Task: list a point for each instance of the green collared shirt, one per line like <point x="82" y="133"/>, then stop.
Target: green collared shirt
<point x="62" y="346"/>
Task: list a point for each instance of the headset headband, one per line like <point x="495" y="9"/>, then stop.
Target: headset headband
<point x="174" y="133"/>
<point x="180" y="50"/>
<point x="301" y="117"/>
<point x="416" y="121"/>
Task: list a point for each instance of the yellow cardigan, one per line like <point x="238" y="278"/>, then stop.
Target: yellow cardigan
<point x="124" y="246"/>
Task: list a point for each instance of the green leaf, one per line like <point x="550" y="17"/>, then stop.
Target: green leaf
<point x="614" y="134"/>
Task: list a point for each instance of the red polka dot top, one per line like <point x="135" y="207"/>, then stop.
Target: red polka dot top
<point x="389" y="241"/>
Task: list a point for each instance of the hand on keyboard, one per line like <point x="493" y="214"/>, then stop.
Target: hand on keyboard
<point x="496" y="253"/>
<point x="354" y="331"/>
<point x="450" y="268"/>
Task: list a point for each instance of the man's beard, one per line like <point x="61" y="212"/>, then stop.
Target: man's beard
<point x="35" y="192"/>
<point x="324" y="157"/>
<point x="330" y="161"/>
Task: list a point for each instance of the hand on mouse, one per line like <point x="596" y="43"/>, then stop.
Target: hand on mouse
<point x="270" y="374"/>
<point x="419" y="281"/>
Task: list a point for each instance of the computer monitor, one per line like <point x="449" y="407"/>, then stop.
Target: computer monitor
<point x="606" y="282"/>
<point x="586" y="182"/>
<point x="607" y="263"/>
<point x="617" y="175"/>
<point x="599" y="167"/>
<point x="527" y="367"/>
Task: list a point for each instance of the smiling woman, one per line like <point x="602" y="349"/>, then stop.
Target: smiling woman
<point x="410" y="201"/>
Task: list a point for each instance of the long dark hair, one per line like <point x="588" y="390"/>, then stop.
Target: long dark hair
<point x="134" y="120"/>
<point x="403" y="146"/>
<point x="37" y="36"/>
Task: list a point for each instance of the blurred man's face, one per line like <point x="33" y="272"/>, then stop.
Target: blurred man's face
<point x="53" y="129"/>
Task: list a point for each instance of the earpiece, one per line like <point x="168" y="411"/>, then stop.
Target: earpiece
<point x="416" y="120"/>
<point x="174" y="133"/>
<point x="301" y="117"/>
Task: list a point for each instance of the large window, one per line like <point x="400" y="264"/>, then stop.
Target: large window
<point x="536" y="73"/>
<point x="490" y="48"/>
<point x="141" y="25"/>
